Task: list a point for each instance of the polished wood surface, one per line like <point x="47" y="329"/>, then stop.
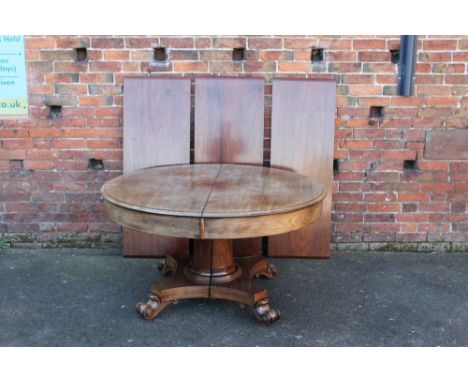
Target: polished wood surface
<point x="303" y="115"/>
<point x="156" y="132"/>
<point x="229" y="122"/>
<point x="213" y="191"/>
<point x="213" y="228"/>
<point x="241" y="289"/>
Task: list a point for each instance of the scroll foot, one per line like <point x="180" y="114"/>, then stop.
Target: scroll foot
<point x="151" y="308"/>
<point x="265" y="270"/>
<point x="264" y="313"/>
<point x="168" y="266"/>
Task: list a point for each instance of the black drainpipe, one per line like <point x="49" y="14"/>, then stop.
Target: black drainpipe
<point x="406" y="65"/>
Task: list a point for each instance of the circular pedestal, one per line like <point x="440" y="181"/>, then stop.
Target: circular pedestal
<point x="213" y="262"/>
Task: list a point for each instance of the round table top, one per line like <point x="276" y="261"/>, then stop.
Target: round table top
<point x="213" y="201"/>
<point x="213" y="190"/>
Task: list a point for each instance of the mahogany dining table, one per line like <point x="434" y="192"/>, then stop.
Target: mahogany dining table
<point x="213" y="204"/>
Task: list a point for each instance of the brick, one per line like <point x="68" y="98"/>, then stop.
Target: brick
<point x="116" y="55"/>
<point x="428" y="79"/>
<point x="105" y="89"/>
<point x="191" y="66"/>
<point x="93" y="133"/>
<point x="433" y="90"/>
<point x="156" y="67"/>
<point x="378" y="68"/>
<point x="400" y="154"/>
<point x="39" y="42"/>
<point x="450" y="68"/>
<point x="225" y="67"/>
<point x="45" y="133"/>
<point x="379" y="218"/>
<point x="103" y="122"/>
<point x="38" y="164"/>
<point x="357" y="143"/>
<point x="344" y="67"/>
<point x="61" y="99"/>
<point x="407" y="101"/>
<point x="424" y="67"/>
<point x="40" y="66"/>
<point x="41" y="155"/>
<point x="460" y="57"/>
<point x="339" y="55"/>
<point x="374" y="101"/>
<point x="140" y="55"/>
<point x="70" y="67"/>
<point x="96" y="77"/>
<point x="456" y="79"/>
<point x="259" y="66"/>
<point x="264" y="43"/>
<point x="229" y="42"/>
<point x="58" y="55"/>
<point x="412" y="217"/>
<point x="390" y="90"/>
<point x="368" y="44"/>
<point x="96" y="100"/>
<point x="141" y="42"/>
<point x="71" y="89"/>
<point x="300" y="43"/>
<point x="358" y="79"/>
<point x="177" y="42"/>
<point x="202" y="42"/>
<point x="215" y="55"/>
<point x="335" y="43"/>
<point x="352" y="227"/>
<point x="412" y="197"/>
<point x="72" y="42"/>
<point x="183" y="55"/>
<point x="434" y="57"/>
<point x="109" y="66"/>
<point x="441" y="101"/>
<point x="276" y="55"/>
<point x="379" y="236"/>
<point x="12" y="154"/>
<point x="62" y="77"/>
<point x="374" y="56"/>
<point x="107" y="42"/>
<point x="439" y="45"/>
<point x="109" y="112"/>
<point x="69" y="144"/>
<point x="365" y="90"/>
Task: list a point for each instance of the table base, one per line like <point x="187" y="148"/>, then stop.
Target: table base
<point x="240" y="287"/>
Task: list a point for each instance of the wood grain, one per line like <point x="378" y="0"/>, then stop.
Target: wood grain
<point x="193" y="201"/>
<point x="212" y="190"/>
<point x="303" y="115"/>
<point x="229" y="121"/>
<point x="156" y="132"/>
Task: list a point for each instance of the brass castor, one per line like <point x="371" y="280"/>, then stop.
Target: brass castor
<point x="264" y="313"/>
<point x="151" y="308"/>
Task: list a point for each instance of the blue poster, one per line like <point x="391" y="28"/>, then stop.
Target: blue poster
<point x="13" y="84"/>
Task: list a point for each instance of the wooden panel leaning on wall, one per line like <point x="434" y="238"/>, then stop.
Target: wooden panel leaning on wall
<point x="156" y="132"/>
<point x="302" y="138"/>
<point x="229" y="122"/>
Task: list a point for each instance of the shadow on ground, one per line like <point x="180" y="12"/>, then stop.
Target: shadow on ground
<point x="87" y="297"/>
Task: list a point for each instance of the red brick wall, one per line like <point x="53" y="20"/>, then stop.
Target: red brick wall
<point x="49" y="196"/>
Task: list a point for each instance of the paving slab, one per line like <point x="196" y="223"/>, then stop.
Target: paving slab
<point x="85" y="297"/>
